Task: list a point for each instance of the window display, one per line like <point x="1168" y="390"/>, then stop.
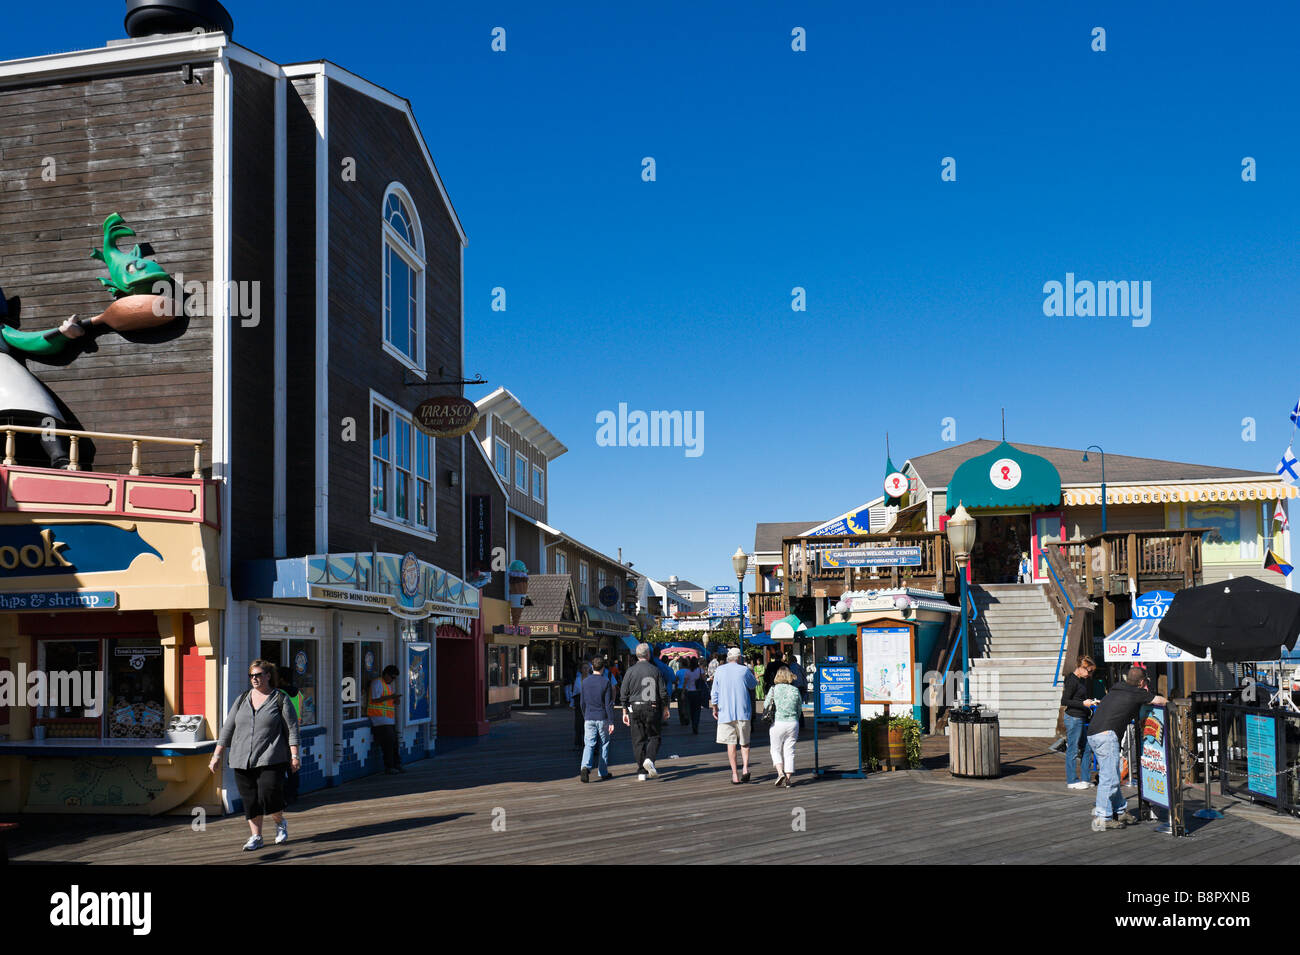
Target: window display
<point x="135" y="686"/>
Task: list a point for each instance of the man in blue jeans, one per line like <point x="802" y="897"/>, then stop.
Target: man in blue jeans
<point x="1116" y="710"/>
<point x="596" y="698"/>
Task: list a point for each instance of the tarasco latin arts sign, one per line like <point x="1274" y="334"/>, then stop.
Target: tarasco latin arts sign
<point x="446" y="417"/>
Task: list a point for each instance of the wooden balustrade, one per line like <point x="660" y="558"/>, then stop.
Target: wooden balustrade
<point x="761" y="604"/>
<point x="74" y="445"/>
<point x="1111" y="563"/>
<point x="805" y="576"/>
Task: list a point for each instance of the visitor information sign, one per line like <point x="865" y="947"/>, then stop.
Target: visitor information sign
<point x="887" y="665"/>
<point x="1261" y="754"/>
<point x="1154" y="756"/>
<point x="836" y="687"/>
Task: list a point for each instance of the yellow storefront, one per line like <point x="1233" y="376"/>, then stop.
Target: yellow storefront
<point x="109" y="624"/>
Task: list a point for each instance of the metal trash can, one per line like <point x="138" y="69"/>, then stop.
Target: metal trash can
<point x="974" y="744"/>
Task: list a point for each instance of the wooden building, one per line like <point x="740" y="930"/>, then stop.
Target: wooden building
<point x="300" y="210"/>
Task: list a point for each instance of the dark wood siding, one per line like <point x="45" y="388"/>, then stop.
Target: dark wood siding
<point x="140" y="145"/>
<point x="301" y="316"/>
<point x="252" y="260"/>
<point x="385" y="149"/>
<point x="522" y="501"/>
<point x="479" y="480"/>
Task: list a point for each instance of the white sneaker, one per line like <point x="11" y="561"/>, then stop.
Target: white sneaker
<point x="281" y="832"/>
<point x="1079" y="785"/>
<point x="641" y="776"/>
<point x="649" y="768"/>
<point x="254" y="842"/>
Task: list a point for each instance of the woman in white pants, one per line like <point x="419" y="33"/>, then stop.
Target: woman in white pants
<point x="785" y="728"/>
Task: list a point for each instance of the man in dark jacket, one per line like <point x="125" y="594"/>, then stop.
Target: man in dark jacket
<point x="596" y="700"/>
<point x="644" y="698"/>
<point x="1116" y="710"/>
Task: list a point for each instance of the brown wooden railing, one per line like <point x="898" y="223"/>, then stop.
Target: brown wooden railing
<point x="805" y="576"/>
<point x="1112" y="562"/>
<point x="764" y="603"/>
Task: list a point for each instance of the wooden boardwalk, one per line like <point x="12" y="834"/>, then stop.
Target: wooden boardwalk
<point x="514" y="798"/>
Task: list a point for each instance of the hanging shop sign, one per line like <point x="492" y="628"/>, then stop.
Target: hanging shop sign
<point x="447" y="416"/>
<point x="556" y="630"/>
<point x="840" y="557"/>
<point x="608" y="596"/>
<point x="60" y="600"/>
<point x="895" y="484"/>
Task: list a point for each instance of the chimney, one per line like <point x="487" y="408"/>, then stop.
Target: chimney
<point x="160" y="17"/>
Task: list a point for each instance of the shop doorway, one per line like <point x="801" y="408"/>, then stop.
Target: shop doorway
<point x="1000" y="540"/>
<point x="1048" y="525"/>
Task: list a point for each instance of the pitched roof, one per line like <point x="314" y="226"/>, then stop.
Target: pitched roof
<point x="548" y="595"/>
<point x="936" y="469"/>
<point x="768" y="537"/>
<point x="509" y="409"/>
<point x="682" y="585"/>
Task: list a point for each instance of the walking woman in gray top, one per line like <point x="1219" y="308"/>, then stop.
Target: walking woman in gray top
<point x="261" y="732"/>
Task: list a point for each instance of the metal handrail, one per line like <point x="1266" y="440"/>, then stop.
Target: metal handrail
<point x="1065" y="631"/>
<point x="975" y="615"/>
<point x="74" y="450"/>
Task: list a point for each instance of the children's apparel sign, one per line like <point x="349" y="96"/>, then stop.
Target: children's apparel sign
<point x="886" y="665"/>
<point x="1154" y="758"/>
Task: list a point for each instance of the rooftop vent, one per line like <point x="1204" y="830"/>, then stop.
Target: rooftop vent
<point x="153" y="17"/>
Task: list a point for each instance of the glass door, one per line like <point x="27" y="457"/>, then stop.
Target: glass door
<point x="1047" y="526"/>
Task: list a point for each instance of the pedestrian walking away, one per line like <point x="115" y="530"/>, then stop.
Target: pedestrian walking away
<point x="1116" y="710"/>
<point x="644" y="698"/>
<point x="381" y="707"/>
<point x="694" y="694"/>
<point x="733" y="708"/>
<point x="784" y="732"/>
<point x="261" y="735"/>
<point x="596" y="697"/>
<point x="1077" y="703"/>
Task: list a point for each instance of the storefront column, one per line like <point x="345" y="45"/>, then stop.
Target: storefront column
<point x="171" y="635"/>
<point x="204" y="626"/>
<point x="14" y="770"/>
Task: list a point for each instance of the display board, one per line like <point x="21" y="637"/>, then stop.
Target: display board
<point x="418" y="669"/>
<point x="1153" y="757"/>
<point x="836" y="687"/>
<point x="886" y="651"/>
<point x="1261" y="754"/>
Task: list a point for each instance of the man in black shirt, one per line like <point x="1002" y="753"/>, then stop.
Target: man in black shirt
<point x="644" y="698"/>
<point x="1116" y="710"/>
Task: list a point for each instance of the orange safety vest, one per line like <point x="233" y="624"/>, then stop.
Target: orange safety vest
<point x="385" y="710"/>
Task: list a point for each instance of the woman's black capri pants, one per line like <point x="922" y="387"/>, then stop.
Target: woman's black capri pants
<point x="262" y="789"/>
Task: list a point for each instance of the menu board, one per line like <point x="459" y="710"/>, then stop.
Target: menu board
<point x="1261" y="754"/>
<point x="1154" y="756"/>
<point x="886" y="654"/>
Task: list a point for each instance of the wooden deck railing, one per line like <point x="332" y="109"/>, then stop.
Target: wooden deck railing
<point x="805" y="576"/>
<point x="1112" y="562"/>
<point x="74" y="445"/>
<point x="761" y="604"/>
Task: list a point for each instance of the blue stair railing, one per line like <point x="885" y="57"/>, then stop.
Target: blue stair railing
<point x="1056" y="677"/>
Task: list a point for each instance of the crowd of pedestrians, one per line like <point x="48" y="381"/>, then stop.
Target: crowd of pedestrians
<point x="645" y="694"/>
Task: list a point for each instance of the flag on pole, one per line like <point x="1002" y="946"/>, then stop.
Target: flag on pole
<point x="1276" y="563"/>
<point x="1279" y="516"/>
<point x="1287" y="466"/>
<point x="1295" y="414"/>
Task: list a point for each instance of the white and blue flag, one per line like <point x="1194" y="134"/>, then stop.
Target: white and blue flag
<point x="1287" y="467"/>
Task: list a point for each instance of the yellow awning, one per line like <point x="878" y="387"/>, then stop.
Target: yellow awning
<point x="1262" y="490"/>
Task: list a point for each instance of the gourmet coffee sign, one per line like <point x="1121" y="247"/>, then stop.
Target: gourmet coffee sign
<point x="446" y="417"/>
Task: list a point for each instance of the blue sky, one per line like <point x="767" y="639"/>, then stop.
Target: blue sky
<point x="821" y="169"/>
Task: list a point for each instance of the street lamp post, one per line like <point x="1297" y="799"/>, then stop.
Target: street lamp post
<point x="961" y="536"/>
<point x="739" y="561"/>
<point x="1103" y="480"/>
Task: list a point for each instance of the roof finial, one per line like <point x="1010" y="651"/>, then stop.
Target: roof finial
<point x="1004" y="424"/>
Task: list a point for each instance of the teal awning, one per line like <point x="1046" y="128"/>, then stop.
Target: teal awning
<point x="1005" y="477"/>
<point x="832" y="630"/>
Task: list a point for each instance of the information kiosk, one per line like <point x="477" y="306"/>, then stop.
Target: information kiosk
<point x="838" y="688"/>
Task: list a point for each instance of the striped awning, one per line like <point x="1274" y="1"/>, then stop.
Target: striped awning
<point x="1175" y="493"/>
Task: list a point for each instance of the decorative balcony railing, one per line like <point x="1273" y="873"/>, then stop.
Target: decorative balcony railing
<point x="74" y="445"/>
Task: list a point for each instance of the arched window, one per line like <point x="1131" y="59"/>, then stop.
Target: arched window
<point x="403" y="278"/>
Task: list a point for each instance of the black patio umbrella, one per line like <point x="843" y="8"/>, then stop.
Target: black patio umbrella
<point x="1236" y="620"/>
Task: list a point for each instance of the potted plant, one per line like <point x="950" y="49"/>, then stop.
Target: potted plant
<point x="899" y="735"/>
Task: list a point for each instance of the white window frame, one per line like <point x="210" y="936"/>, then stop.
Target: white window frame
<point x="497" y="450"/>
<point x="584" y="582"/>
<point x="414" y="257"/>
<point x="539" y="476"/>
<point x="521" y="472"/>
<point x="561" y="562"/>
<point x="396" y="413"/>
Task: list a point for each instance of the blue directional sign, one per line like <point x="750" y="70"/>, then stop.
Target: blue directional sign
<point x="836" y="686"/>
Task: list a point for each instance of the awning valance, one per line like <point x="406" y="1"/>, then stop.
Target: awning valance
<point x="832" y="630"/>
<point x="1248" y="491"/>
<point x="1005" y="477"/>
